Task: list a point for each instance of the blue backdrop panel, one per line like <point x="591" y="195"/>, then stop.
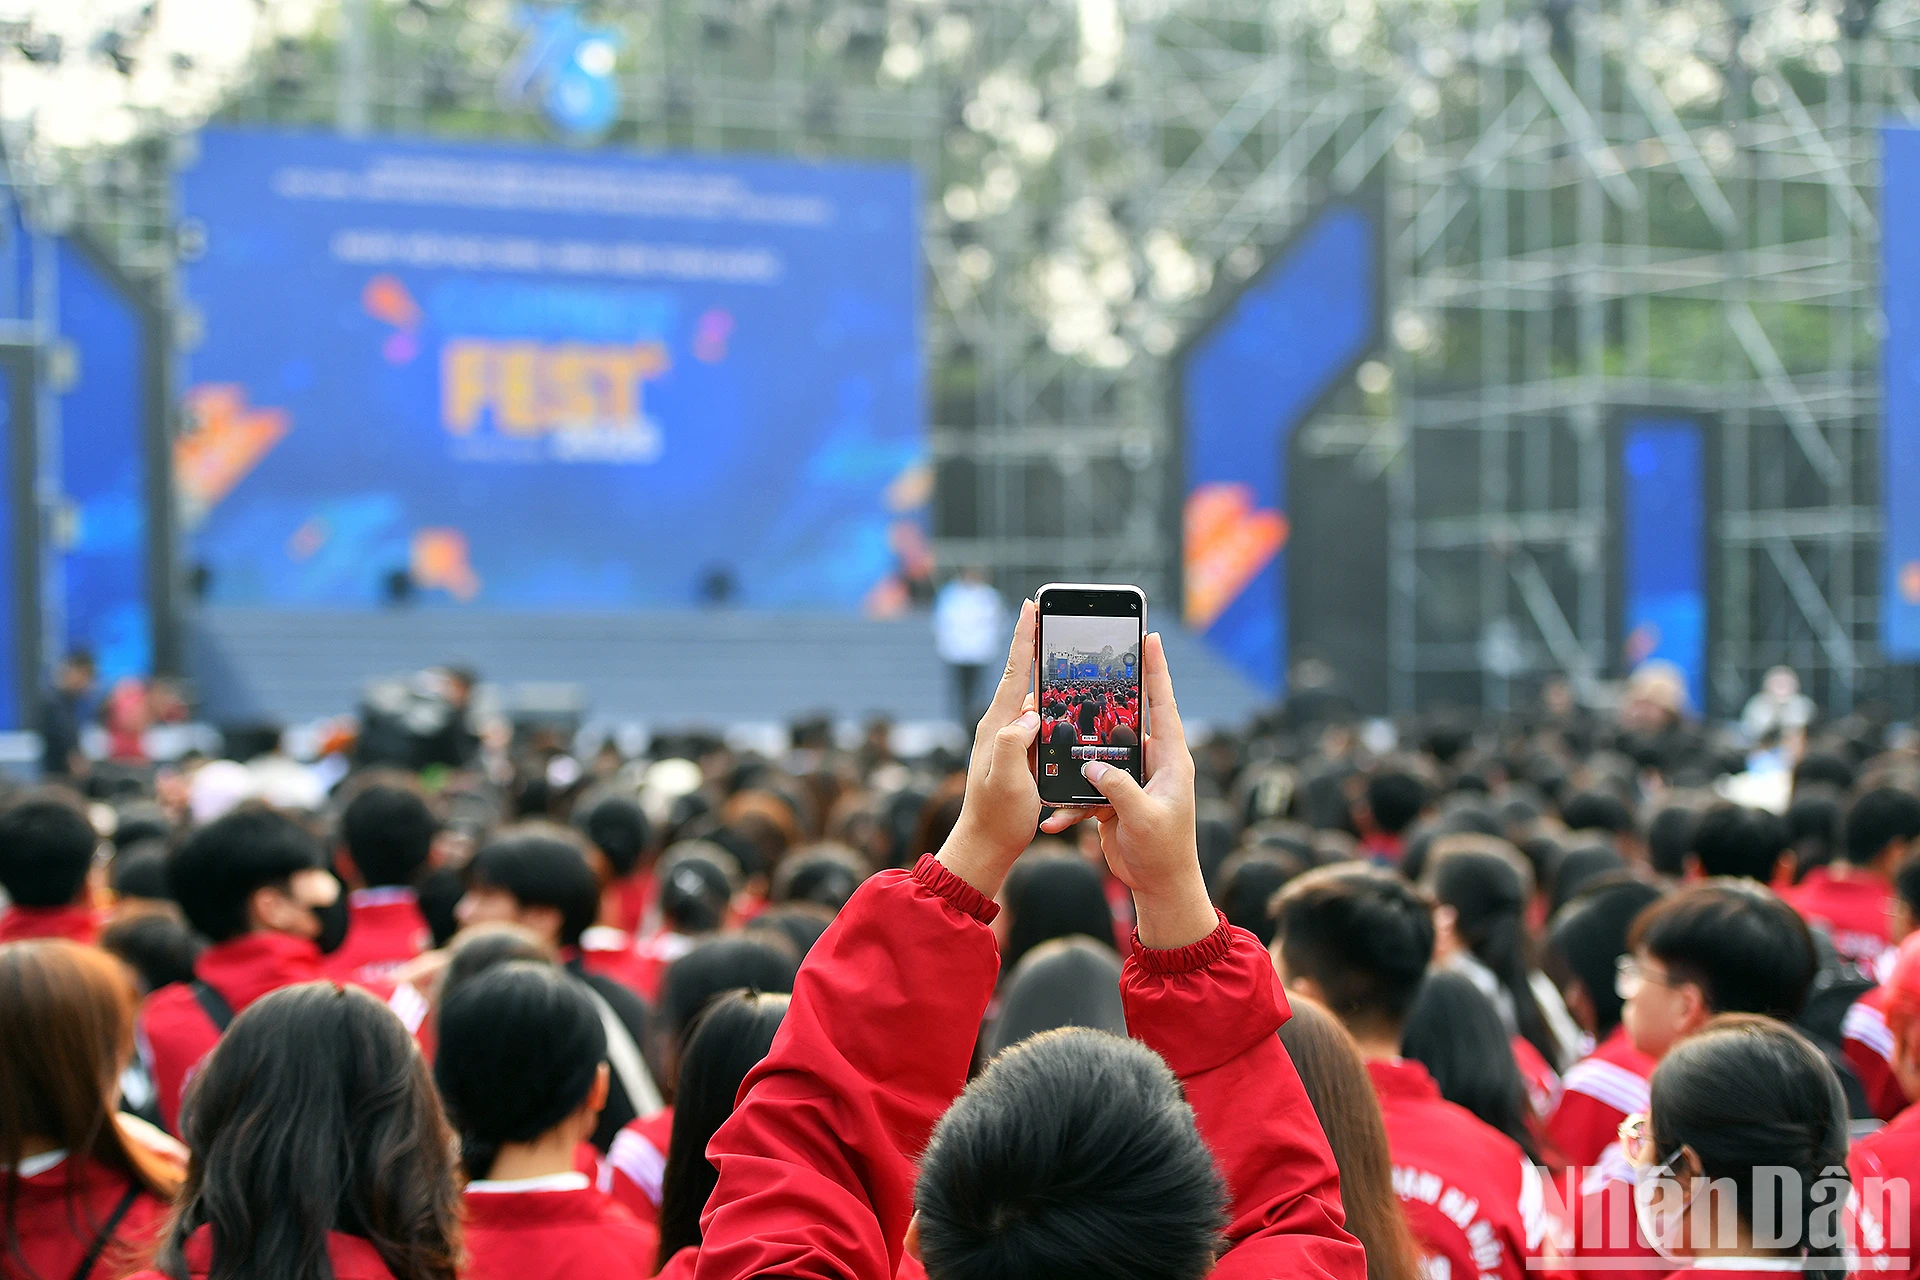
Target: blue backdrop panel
<point x="1664" y="546"/>
<point x="1900" y="435"/>
<point x="539" y="379"/>
<point x="17" y="568"/>
<point x="1246" y="383"/>
<point x="103" y="470"/>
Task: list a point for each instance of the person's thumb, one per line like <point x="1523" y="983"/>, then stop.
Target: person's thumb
<point x="1116" y="784"/>
<point x="1011" y="742"/>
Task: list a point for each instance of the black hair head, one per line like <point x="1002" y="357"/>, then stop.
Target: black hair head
<point x="140" y="822"/>
<point x="1396" y="799"/>
<point x="1247" y="882"/>
<point x="1069" y="982"/>
<point x="1363" y="935"/>
<point x="155" y="944"/>
<point x="1670" y="838"/>
<point x="1053" y="896"/>
<point x="1881" y="817"/>
<point x="797" y="924"/>
<point x="1906" y="884"/>
<point x="1735" y="840"/>
<point x="215" y="872"/>
<point x="485" y="946"/>
<point x="519" y="1047"/>
<point x="1073" y="1155"/>
<point x="697" y="882"/>
<point x="1588" y="935"/>
<point x="1748" y="1093"/>
<point x="1598" y="811"/>
<point x="824" y="874"/>
<point x="542" y="865"/>
<point x="46" y="849"/>
<point x="618" y="827"/>
<point x="722" y="964"/>
<point x="1823" y="767"/>
<point x="1456" y="1033"/>
<point x="1748" y="951"/>
<point x="1813" y="821"/>
<point x="140" y="871"/>
<point x="316" y="1114"/>
<point x="1488" y="887"/>
<point x="726" y="1042"/>
<point x="1579" y="868"/>
<point x="388" y="831"/>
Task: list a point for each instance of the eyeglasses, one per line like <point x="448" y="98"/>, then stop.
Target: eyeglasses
<point x="1629" y="975"/>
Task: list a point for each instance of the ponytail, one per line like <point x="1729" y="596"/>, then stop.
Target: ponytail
<point x="1487" y="885"/>
<point x="477" y="1155"/>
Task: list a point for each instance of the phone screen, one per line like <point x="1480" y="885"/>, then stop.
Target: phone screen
<point x="1089" y="687"/>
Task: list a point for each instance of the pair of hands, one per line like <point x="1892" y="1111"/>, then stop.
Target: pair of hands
<point x="1148" y="833"/>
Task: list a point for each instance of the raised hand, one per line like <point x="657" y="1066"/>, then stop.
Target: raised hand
<point x="1148" y="833"/>
<point x="1002" y="805"/>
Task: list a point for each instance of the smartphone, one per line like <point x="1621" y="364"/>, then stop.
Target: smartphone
<point x="1087" y="653"/>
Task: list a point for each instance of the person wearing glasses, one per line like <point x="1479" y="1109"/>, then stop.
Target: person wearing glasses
<point x="1740" y="1160"/>
<point x="1716" y="947"/>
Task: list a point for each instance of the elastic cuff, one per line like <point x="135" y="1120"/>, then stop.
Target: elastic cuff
<point x="1195" y="955"/>
<point x="958" y="893"/>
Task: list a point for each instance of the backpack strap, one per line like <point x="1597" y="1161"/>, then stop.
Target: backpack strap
<point x="105" y="1238"/>
<point x="214" y="1005"/>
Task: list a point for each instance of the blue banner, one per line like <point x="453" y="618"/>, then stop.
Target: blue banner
<point x="103" y="470"/>
<point x="1900" y="431"/>
<point x="540" y="379"/>
<point x="17" y="566"/>
<point x="1664" y="547"/>
<point x="1246" y="383"/>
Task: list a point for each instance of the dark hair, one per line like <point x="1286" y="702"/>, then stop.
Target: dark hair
<point x="798" y="924"/>
<point x="1598" y="811"/>
<point x="1881" y="817"/>
<point x="697" y="882"/>
<point x="1749" y="1092"/>
<point x="826" y="874"/>
<point x="1748" y="951"/>
<point x="715" y="966"/>
<point x="1587" y="937"/>
<point x="1364" y="935"/>
<point x="388" y="831"/>
<point x="440" y="890"/>
<point x="139" y="823"/>
<point x="1579" y="868"/>
<point x="1052" y="896"/>
<point x="1395" y="799"/>
<point x="66" y="1033"/>
<point x="1073" y="1153"/>
<point x="618" y="828"/>
<point x="727" y="1041"/>
<point x="1248" y="881"/>
<point x="1488" y="889"/>
<point x="542" y="865"/>
<point x="154" y="943"/>
<point x="46" y="850"/>
<point x="484" y="946"/>
<point x="1342" y="1095"/>
<point x="1813" y="828"/>
<point x="519" y="1048"/>
<point x="140" y="871"/>
<point x="1068" y="982"/>
<point x="1670" y="838"/>
<point x="1734" y="840"/>
<point x="216" y="871"/>
<point x="1456" y="1033"/>
<point x="1823" y="767"/>
<point x="315" y="1114"/>
<point x="1906" y="883"/>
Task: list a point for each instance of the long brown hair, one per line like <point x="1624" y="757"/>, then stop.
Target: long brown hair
<point x="1331" y="1068"/>
<point x="66" y="1033"/>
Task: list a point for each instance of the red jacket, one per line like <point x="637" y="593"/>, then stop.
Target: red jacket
<point x="1542" y="1081"/>
<point x="534" y="1235"/>
<point x="609" y="953"/>
<point x="54" y="1241"/>
<point x="384" y="930"/>
<point x="636" y="1163"/>
<point x="1596" y="1094"/>
<point x="1867" y="1044"/>
<point x="1887" y="1244"/>
<point x="1853" y="911"/>
<point x="174" y="1032"/>
<point x="352" y="1258"/>
<point x="626" y="904"/>
<point x="1472" y="1197"/>
<point x="75" y="924"/>
<point x="816" y="1162"/>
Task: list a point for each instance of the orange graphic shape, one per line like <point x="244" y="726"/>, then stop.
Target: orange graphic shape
<point x="1910" y="582"/>
<point x="1228" y="542"/>
<point x="440" y="560"/>
<point x="228" y="440"/>
<point x="387" y="300"/>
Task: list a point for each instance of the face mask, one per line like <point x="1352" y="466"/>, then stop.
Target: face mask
<point x="1662" y="1220"/>
<point x="333" y="925"/>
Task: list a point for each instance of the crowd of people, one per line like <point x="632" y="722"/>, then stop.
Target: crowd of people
<point x="1091" y="712"/>
<point x="1551" y="992"/>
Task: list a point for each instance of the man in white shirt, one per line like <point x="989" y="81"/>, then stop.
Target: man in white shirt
<point x="969" y="631"/>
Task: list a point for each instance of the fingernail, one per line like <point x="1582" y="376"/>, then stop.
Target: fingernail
<point x="1030" y="720"/>
<point x="1094" y="770"/>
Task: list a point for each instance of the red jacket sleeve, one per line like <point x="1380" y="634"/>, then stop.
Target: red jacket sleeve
<point x="816" y="1163"/>
<point x="1211" y="1011"/>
